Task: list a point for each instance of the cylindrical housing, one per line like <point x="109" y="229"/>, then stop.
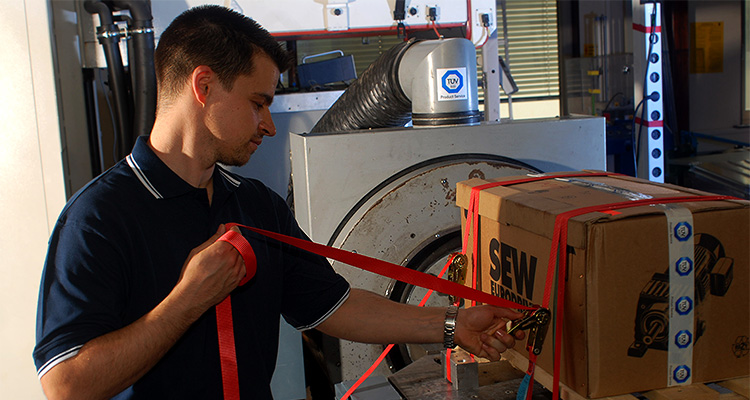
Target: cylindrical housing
<point x="440" y="79"/>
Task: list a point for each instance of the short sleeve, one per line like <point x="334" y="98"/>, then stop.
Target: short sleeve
<point x="312" y="289"/>
<point x="80" y="296"/>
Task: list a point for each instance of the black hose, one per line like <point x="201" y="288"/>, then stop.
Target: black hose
<point x="108" y="37"/>
<point x="375" y="100"/>
<point x="144" y="92"/>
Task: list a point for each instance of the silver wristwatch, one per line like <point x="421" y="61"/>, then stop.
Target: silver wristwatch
<point x="450" y="327"/>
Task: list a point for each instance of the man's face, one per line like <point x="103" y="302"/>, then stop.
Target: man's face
<point x="238" y="119"/>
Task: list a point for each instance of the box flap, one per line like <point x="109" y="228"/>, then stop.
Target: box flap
<point x="535" y="205"/>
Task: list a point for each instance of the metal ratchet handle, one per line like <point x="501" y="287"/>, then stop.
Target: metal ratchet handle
<point x="457" y="272"/>
<point x="537" y="321"/>
<point x="528" y="320"/>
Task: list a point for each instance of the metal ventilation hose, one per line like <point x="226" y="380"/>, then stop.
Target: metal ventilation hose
<point x="373" y="100"/>
<point x="406" y="82"/>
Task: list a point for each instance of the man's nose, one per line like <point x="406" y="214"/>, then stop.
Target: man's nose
<point x="266" y="125"/>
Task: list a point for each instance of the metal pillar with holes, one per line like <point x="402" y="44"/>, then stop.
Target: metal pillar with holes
<point x="649" y="117"/>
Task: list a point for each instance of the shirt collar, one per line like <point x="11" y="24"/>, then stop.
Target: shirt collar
<point x="162" y="182"/>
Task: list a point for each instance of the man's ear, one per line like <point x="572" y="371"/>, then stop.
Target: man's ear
<point x="201" y="81"/>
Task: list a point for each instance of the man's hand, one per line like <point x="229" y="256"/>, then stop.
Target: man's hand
<point x="110" y="363"/>
<point x="481" y="330"/>
<point x="211" y="271"/>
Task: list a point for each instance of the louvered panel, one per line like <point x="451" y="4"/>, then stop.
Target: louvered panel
<point x="532" y="46"/>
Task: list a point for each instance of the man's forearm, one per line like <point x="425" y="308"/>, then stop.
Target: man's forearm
<point x="369" y="318"/>
<point x="110" y="363"/>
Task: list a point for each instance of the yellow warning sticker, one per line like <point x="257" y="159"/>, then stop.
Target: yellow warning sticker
<point x="707" y="47"/>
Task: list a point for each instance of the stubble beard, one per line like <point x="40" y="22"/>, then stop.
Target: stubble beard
<point x="236" y="156"/>
<point x="236" y="159"/>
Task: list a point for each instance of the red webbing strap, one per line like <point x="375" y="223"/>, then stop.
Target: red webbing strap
<point x="246" y="251"/>
<point x="223" y="310"/>
<point x="224" y="324"/>
<point x="530" y="373"/>
<point x="229" y="378"/>
<point x="390" y="346"/>
<point x="559" y="248"/>
<point x="388" y="269"/>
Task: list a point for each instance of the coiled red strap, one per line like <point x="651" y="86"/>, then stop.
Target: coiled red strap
<point x="224" y="324"/>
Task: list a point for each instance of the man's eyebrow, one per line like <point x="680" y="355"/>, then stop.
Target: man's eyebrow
<point x="268" y="99"/>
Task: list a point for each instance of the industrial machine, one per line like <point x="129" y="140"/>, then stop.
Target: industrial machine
<point x="389" y="192"/>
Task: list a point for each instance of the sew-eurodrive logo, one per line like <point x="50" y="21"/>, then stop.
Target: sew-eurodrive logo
<point x="451" y="84"/>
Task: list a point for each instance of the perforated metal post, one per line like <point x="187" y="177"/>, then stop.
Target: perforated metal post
<point x="649" y="119"/>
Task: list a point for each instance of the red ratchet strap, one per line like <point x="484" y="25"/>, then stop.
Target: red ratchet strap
<point x="387" y="269"/>
<point x="557" y="265"/>
<point x="225" y="328"/>
<point x="390" y="346"/>
<point x="225" y="325"/>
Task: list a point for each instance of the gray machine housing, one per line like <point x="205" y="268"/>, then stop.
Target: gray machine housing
<point x="390" y="194"/>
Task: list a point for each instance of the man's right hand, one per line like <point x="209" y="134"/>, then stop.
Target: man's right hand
<point x="211" y="271"/>
<point x="108" y="364"/>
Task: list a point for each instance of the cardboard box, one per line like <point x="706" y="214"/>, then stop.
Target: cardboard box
<point x="616" y="319"/>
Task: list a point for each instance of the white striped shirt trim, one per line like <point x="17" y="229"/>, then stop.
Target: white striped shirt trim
<point x="142" y="177"/>
<point x="58" y="359"/>
<point x="231" y="179"/>
<point x="328" y="314"/>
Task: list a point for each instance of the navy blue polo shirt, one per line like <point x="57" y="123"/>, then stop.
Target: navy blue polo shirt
<point x="119" y="246"/>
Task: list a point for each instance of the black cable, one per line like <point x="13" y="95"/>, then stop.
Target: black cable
<point x="141" y="31"/>
<point x="108" y="36"/>
<point x="636" y="137"/>
<point x="614" y="96"/>
<point x="399" y="12"/>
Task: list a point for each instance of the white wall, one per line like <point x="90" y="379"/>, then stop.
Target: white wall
<point x="31" y="180"/>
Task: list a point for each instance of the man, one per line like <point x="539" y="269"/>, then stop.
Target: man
<point x="134" y="268"/>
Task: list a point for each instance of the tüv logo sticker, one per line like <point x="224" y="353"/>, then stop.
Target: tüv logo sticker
<point x="451" y="83"/>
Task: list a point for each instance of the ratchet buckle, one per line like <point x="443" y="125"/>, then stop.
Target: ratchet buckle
<point x="537" y="322"/>
<point x="457" y="271"/>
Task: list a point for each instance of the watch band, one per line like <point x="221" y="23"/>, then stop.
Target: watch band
<point x="450" y="327"/>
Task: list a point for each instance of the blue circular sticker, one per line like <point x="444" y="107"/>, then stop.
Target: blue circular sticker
<point x="682" y="374"/>
<point x="683" y="305"/>
<point x="683" y="231"/>
<point x="452" y="81"/>
<point x="683" y="339"/>
<point x="684" y="266"/>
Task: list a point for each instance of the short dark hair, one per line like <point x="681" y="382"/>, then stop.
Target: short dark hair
<point x="218" y="37"/>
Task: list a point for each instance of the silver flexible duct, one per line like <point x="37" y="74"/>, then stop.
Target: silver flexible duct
<point x="433" y="82"/>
